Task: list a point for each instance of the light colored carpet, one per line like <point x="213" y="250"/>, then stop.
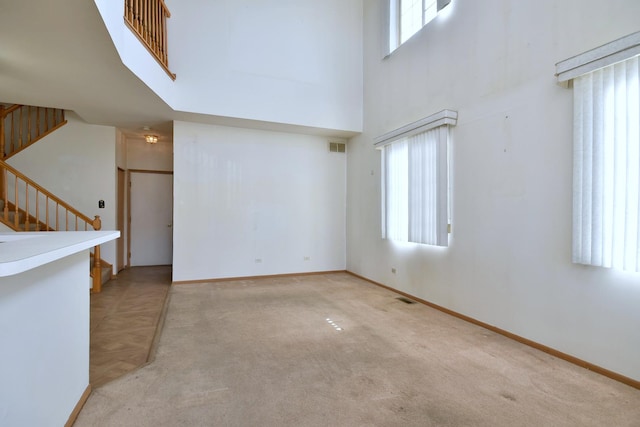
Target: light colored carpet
<point x="262" y="353"/>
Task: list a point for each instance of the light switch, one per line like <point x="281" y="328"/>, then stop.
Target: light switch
<point x="101" y="204"/>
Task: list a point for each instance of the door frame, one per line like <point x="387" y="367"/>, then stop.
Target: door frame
<point x="129" y="172"/>
<point x="121" y="191"/>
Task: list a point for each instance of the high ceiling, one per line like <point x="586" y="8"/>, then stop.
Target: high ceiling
<point x="59" y="54"/>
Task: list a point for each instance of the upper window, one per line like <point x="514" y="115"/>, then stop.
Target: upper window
<point x="606" y="147"/>
<point x="409" y="16"/>
<point x="415" y="177"/>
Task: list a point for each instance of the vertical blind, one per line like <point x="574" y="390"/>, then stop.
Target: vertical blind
<point x="415" y="188"/>
<point x="606" y="202"/>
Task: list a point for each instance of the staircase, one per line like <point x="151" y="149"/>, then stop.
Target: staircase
<point x="24" y="204"/>
<point x="23" y="125"/>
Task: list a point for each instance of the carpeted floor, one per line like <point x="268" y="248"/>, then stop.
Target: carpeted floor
<point x="332" y="350"/>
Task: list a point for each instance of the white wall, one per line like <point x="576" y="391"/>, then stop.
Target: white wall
<point x="293" y="62"/>
<point x="509" y="262"/>
<point x="242" y="195"/>
<point x="44" y="342"/>
<point x="154" y="157"/>
<point x="121" y="150"/>
<point x="78" y="164"/>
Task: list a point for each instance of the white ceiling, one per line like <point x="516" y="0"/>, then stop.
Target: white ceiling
<point x="59" y="54"/>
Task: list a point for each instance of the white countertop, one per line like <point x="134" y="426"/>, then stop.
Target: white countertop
<point x="20" y="252"/>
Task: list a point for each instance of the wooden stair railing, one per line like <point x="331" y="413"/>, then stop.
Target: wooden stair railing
<point x="148" y="21"/>
<point x="28" y="206"/>
<point x="22" y="125"/>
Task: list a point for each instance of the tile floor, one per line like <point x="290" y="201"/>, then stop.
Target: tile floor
<point x="124" y="318"/>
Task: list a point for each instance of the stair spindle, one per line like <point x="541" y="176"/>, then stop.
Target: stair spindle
<point x="5" y="193"/>
<point x="12" y="126"/>
<point x="29" y="123"/>
<point x="26" y="209"/>
<point x="38" y="121"/>
<point x="156" y="26"/>
<point x="16" y="217"/>
<point x="37" y="211"/>
<point x="20" y="129"/>
<point x="2" y="131"/>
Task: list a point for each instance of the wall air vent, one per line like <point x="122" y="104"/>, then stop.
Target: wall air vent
<point x="337" y="147"/>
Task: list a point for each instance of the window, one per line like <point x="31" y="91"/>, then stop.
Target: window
<point x="606" y="171"/>
<point x="409" y="16"/>
<point x="415" y="184"/>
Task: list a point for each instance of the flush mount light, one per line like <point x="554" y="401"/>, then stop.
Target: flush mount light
<point x="151" y="139"/>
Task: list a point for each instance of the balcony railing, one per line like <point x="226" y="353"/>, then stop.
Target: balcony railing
<point x="148" y="20"/>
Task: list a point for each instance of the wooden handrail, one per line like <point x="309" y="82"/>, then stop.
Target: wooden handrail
<point x="148" y="21"/>
<point x="7" y="170"/>
<point x="18" y="203"/>
<point x="22" y="125"/>
<point x="7" y="111"/>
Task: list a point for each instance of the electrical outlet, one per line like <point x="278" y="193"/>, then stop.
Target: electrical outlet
<point x="393" y="270"/>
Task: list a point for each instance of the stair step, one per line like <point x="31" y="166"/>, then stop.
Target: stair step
<point x="32" y="227"/>
<point x="12" y="214"/>
<point x="106" y="274"/>
<point x="12" y="217"/>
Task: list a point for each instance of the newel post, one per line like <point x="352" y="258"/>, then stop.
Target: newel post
<point x="97" y="262"/>
<point x="97" y="270"/>
<point x="97" y="223"/>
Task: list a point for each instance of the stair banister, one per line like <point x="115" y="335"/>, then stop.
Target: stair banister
<point x="14" y="201"/>
<point x="22" y="125"/>
<point x="41" y="190"/>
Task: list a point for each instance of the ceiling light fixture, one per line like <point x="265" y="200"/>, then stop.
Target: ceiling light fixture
<point x="151" y="139"/>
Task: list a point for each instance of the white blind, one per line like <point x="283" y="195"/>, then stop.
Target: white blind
<point x="606" y="205"/>
<point x="415" y="188"/>
<point x="396" y="158"/>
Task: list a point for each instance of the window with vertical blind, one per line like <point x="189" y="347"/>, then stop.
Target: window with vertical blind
<point x="415" y="181"/>
<point x="606" y="164"/>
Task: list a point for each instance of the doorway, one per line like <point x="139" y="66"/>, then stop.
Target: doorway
<point x="150" y="218"/>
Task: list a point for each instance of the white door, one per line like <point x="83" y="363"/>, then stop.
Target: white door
<point x="151" y="231"/>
